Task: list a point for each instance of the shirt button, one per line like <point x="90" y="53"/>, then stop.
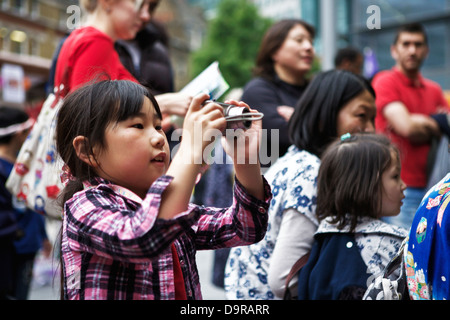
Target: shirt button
<point x="262" y="210"/>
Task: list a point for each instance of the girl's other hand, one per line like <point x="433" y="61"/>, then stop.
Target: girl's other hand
<point x="243" y="145"/>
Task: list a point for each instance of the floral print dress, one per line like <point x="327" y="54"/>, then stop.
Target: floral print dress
<point x="427" y="256"/>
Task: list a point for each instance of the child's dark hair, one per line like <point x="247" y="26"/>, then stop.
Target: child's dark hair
<point x="349" y="184"/>
<point x="87" y="112"/>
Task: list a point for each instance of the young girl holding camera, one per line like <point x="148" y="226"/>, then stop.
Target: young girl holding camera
<point x="129" y="231"/>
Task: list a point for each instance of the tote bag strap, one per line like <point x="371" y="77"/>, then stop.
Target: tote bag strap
<point x="300" y="263"/>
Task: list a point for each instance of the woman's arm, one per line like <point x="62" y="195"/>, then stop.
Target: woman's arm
<point x="295" y="239"/>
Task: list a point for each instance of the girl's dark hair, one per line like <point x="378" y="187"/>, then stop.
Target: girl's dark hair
<point x="313" y="124"/>
<point x="87" y="112"/>
<point x="272" y="41"/>
<point x="349" y="184"/>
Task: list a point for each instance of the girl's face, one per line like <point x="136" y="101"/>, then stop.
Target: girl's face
<point x="295" y="56"/>
<point x="393" y="187"/>
<point x="358" y="115"/>
<point x="136" y="151"/>
<point x="128" y="17"/>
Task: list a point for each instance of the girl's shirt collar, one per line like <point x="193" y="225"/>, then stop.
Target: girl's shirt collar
<point x="95" y="182"/>
<point x="365" y="225"/>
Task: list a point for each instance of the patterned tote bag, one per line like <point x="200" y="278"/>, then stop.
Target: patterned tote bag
<point x="35" y="179"/>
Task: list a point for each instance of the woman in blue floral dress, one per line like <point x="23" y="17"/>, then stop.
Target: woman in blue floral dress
<point x="335" y="102"/>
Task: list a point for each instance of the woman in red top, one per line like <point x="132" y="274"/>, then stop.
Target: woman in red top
<point x="89" y="50"/>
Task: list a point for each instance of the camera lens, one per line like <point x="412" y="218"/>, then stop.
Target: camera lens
<point x="234" y="111"/>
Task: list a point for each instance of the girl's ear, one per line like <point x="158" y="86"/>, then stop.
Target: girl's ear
<point x="81" y="149"/>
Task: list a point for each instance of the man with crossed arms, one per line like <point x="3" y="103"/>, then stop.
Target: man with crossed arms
<point x="407" y="108"/>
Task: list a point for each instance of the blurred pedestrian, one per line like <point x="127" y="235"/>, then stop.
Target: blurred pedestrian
<point x="350" y="59"/>
<point x="120" y="27"/>
<point x="146" y="57"/>
<point x="26" y="234"/>
<point x="89" y="50"/>
<point x="285" y="57"/>
<point x="405" y="103"/>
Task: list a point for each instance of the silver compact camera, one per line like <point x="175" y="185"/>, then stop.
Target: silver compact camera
<point x="237" y="117"/>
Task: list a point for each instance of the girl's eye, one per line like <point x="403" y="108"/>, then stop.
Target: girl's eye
<point x="138" y="126"/>
<point x="158" y="124"/>
<point x="396" y="176"/>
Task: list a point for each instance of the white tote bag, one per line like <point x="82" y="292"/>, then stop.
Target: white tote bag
<point x="35" y="179"/>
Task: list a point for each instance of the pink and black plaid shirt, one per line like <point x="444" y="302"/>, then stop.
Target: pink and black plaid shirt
<point x="114" y="247"/>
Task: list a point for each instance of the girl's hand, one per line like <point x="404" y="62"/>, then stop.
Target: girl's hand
<point x="201" y="125"/>
<point x="243" y="145"/>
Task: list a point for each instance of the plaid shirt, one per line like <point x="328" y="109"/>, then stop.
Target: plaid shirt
<point x="115" y="247"/>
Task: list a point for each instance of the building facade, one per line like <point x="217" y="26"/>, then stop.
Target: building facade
<point x="29" y="33"/>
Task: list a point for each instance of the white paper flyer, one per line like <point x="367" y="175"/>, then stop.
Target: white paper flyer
<point x="209" y="81"/>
